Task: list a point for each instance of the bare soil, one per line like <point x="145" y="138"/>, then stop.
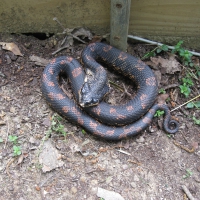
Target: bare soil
<point x="150" y="166"/>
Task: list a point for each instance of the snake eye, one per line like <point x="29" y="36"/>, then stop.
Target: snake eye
<point x="95" y="101"/>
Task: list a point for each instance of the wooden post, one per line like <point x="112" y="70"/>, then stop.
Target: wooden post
<point x="119" y="23"/>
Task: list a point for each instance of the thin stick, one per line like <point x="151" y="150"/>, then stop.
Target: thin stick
<point x="185" y="103"/>
<point x="6" y="135"/>
<point x="187" y="192"/>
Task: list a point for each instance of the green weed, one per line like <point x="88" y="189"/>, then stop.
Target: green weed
<point x="195" y="104"/>
<point x="196" y="121"/>
<point x="154" y="51"/>
<point x="17" y="150"/>
<point x="159" y="113"/>
<point x="162" y="91"/>
<point x="13" y="139"/>
<point x="188" y="174"/>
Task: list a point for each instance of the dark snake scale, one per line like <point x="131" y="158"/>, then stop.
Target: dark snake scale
<point x="104" y="120"/>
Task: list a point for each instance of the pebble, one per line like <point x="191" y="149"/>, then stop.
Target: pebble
<point x="140" y="139"/>
<point x="133" y="184"/>
<point x="74" y="190"/>
<point x="136" y="178"/>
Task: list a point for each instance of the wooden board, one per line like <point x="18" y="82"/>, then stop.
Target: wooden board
<point x="164" y="20"/>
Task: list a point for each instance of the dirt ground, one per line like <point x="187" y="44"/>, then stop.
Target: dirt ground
<point x="150" y="166"/>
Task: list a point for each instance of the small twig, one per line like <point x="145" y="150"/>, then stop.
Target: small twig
<point x="184" y="148"/>
<point x="126" y="91"/>
<point x="6" y="135"/>
<point x="8" y="165"/>
<point x="170" y="86"/>
<point x="60" y="49"/>
<point x="117" y="86"/>
<point x="187" y="192"/>
<point x="185" y="103"/>
<point x="42" y="184"/>
<point x="121" y="151"/>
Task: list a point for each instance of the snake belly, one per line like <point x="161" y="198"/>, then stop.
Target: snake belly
<point x="114" y="122"/>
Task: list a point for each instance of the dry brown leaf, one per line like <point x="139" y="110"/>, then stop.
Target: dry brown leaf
<point x="169" y="66"/>
<point x="11" y="47"/>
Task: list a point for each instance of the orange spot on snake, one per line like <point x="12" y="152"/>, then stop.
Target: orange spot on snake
<point x="93" y="125"/>
<point x="50" y="83"/>
<point x="146" y="120"/>
<point x="110" y="132"/>
<point x="151" y="81"/>
<point x="76" y="72"/>
<point x="112" y="110"/>
<point x="122" y="56"/>
<point x="51" y="70"/>
<point x="53" y="61"/>
<point x="107" y="48"/>
<point x="65" y="109"/>
<point x="129" y="108"/>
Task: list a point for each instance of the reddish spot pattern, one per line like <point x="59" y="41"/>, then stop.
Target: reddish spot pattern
<point x="50" y="83"/>
<point x="110" y="132"/>
<point x="53" y="96"/>
<point x="151" y="81"/>
<point x="69" y="59"/>
<point x="129" y="108"/>
<point x="146" y="120"/>
<point x="92" y="47"/>
<point x="112" y="110"/>
<point x="140" y="67"/>
<point x="78" y="115"/>
<point x="65" y="109"/>
<point x="107" y="48"/>
<point x="97" y="110"/>
<point x="93" y="125"/>
<point x="53" y="61"/>
<point x="89" y="58"/>
<point x="143" y="97"/>
<point x="76" y="72"/>
<point x="126" y="131"/>
<point x="122" y="56"/>
<point x="51" y="70"/>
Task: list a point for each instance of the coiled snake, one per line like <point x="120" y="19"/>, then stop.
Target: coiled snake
<point x="104" y="120"/>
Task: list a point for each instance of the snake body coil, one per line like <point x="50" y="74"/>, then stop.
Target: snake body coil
<point x="114" y="122"/>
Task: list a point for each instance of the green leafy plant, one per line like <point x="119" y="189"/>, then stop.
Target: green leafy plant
<point x="162" y="91"/>
<point x="186" y="84"/>
<point x="17" y="150"/>
<point x="196" y="121"/>
<point x="195" y="104"/>
<point x="1" y="140"/>
<point x="188" y="174"/>
<point x="13" y="139"/>
<point x="153" y="52"/>
<point x="159" y="113"/>
<point x="185" y="55"/>
<point x="56" y="125"/>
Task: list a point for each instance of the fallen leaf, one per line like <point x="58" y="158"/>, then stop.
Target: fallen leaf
<point x="11" y="47"/>
<point x="108" y="195"/>
<point x="39" y="61"/>
<point x="83" y="32"/>
<point x="49" y="157"/>
<point x="169" y="66"/>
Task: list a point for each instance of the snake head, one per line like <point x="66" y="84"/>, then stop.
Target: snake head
<point x="87" y="96"/>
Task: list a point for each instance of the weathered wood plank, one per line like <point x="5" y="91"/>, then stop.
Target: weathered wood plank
<point x="161" y="20"/>
<point x="119" y="23"/>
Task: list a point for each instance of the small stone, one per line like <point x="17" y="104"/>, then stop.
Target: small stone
<point x="136" y="178"/>
<point x="12" y="109"/>
<point x="83" y="179"/>
<point x="18" y="126"/>
<point x="73" y="190"/>
<point x="133" y="184"/>
<point x="140" y="139"/>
